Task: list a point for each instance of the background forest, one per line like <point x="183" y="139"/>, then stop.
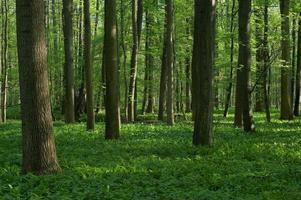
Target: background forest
<point x="154" y="74"/>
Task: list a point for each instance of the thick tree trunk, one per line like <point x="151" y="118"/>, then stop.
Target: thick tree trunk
<point x="286" y="111"/>
<point x="68" y="67"/>
<point x="202" y="71"/>
<point x="111" y="69"/>
<point x="244" y="63"/>
<point x="169" y="61"/>
<point x="297" y="98"/>
<point x="88" y="66"/>
<point x="39" y="154"/>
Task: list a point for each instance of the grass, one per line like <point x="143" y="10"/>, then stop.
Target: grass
<point x="154" y="161"/>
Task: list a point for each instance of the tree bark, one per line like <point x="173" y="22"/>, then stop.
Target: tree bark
<point x="297" y="98"/>
<point x="88" y="66"/>
<point x="169" y="61"/>
<point x="111" y="69"/>
<point x="244" y="63"/>
<point x="39" y="153"/>
<point x="202" y="71"/>
<point x="286" y="111"/>
<point x="230" y="84"/>
<point x="136" y="29"/>
<point x="68" y="67"/>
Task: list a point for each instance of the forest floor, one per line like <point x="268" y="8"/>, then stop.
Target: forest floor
<point x="154" y="161"/>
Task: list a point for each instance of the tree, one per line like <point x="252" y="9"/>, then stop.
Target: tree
<point x="88" y="66"/>
<point x="230" y="84"/>
<point x="243" y="93"/>
<point x="285" y="111"/>
<point x="39" y="153"/>
<point x="111" y="70"/>
<point x="169" y="60"/>
<point x="136" y="31"/>
<point x="297" y="99"/>
<point x="202" y="71"/>
<point x="68" y="66"/>
<point x="4" y="70"/>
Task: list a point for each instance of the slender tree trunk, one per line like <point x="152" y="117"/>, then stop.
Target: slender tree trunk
<point x="88" y="66"/>
<point x="202" y="71"/>
<point x="136" y="29"/>
<point x="266" y="61"/>
<point x="68" y="67"/>
<point x="292" y="86"/>
<point x="286" y="111"/>
<point x="4" y="73"/>
<point x="39" y="153"/>
<point x="150" y="99"/>
<point x="169" y="61"/>
<point x="259" y="90"/>
<point x="244" y="63"/>
<point x="229" y="88"/>
<point x="111" y="69"/>
<point x="297" y="98"/>
<point x="163" y="83"/>
<point x="188" y="73"/>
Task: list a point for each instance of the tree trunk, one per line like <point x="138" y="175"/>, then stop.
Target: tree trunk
<point x="266" y="59"/>
<point x="39" y="153"/>
<point x="136" y="29"/>
<point x="230" y="84"/>
<point x="297" y="100"/>
<point x="68" y="67"/>
<point x="259" y="90"/>
<point x="88" y="66"/>
<point x="4" y="77"/>
<point x="244" y="64"/>
<point x="286" y="111"/>
<point x="169" y="61"/>
<point x="163" y="82"/>
<point x="202" y="71"/>
<point x="111" y="70"/>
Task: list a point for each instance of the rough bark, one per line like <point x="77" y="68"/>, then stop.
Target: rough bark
<point x="202" y="71"/>
<point x="169" y="61"/>
<point x="68" y="66"/>
<point x="244" y="64"/>
<point x="285" y="110"/>
<point x="88" y="66"/>
<point x="39" y="153"/>
<point x="111" y="69"/>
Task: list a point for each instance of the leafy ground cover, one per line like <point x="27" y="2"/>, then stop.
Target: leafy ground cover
<point x="154" y="161"/>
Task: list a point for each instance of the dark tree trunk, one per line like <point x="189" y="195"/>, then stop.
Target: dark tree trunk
<point x="259" y="90"/>
<point x="88" y="66"/>
<point x="39" y="153"/>
<point x="68" y="67"/>
<point x="244" y="64"/>
<point x="202" y="71"/>
<point x="266" y="58"/>
<point x="163" y="83"/>
<point x="297" y="99"/>
<point x="286" y="111"/>
<point x="169" y="61"/>
<point x="111" y="69"/>
<point x="230" y="84"/>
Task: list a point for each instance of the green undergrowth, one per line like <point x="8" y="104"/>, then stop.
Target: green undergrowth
<point x="154" y="161"/>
